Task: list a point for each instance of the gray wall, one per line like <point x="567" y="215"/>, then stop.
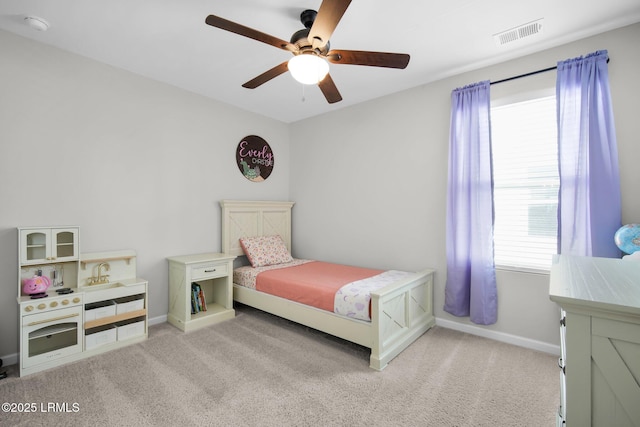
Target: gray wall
<point x="135" y="163"/>
<point x="370" y="185"/>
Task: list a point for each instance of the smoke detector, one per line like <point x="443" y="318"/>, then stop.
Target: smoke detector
<point x="518" y="33"/>
<point x="36" y="23"/>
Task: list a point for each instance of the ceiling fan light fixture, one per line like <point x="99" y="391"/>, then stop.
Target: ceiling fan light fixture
<point x="308" y="69"/>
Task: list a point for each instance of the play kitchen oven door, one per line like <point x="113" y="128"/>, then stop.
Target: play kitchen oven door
<point x="50" y="335"/>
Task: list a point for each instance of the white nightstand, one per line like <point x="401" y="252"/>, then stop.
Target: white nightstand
<point x="213" y="274"/>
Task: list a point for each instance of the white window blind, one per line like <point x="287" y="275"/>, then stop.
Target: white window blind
<point x="525" y="172"/>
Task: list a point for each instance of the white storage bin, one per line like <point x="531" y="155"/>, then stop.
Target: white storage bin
<point x="98" y="310"/>
<point x="127" y="304"/>
<point x="130" y="330"/>
<point x="100" y="336"/>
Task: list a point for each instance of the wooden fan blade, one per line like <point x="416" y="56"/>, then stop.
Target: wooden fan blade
<point x="326" y="21"/>
<point x="329" y="90"/>
<point x="266" y="76"/>
<point x="216" y="21"/>
<point x="372" y="59"/>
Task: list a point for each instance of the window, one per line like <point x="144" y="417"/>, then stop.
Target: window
<point x="525" y="173"/>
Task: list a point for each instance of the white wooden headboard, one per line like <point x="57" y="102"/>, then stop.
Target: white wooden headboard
<point x="241" y="218"/>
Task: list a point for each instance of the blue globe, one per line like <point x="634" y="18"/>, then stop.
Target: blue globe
<point x="627" y="238"/>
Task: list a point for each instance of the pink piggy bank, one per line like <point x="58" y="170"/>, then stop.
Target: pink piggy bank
<point x="35" y="285"/>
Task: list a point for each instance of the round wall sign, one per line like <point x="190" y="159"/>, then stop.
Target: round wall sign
<point x="254" y="158"/>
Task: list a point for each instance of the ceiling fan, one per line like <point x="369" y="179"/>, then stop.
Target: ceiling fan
<point x="310" y="47"/>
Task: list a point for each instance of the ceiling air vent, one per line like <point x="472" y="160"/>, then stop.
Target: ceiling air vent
<point x="517" y="33"/>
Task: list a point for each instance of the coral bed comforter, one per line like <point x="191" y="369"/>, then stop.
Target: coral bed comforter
<point x="341" y="289"/>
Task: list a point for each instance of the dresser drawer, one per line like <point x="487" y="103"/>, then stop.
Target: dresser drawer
<point x="209" y="271"/>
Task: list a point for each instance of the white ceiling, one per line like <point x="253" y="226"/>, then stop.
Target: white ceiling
<point x="168" y="41"/>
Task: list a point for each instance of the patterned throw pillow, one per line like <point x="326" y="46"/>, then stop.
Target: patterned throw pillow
<point x="265" y="250"/>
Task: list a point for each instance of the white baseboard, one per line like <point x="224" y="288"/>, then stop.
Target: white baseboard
<point x="9" y="359"/>
<point x="500" y="336"/>
<point x="157" y="320"/>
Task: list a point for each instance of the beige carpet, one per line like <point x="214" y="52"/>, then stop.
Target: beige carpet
<point x="259" y="370"/>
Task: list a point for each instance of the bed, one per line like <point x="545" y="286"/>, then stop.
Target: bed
<point x="400" y="311"/>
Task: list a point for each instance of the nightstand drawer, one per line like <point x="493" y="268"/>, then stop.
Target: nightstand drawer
<point x="208" y="271"/>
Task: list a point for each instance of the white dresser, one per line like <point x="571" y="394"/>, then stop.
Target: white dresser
<point x="600" y="340"/>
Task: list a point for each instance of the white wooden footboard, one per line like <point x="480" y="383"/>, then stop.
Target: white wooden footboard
<point x="400" y="313"/>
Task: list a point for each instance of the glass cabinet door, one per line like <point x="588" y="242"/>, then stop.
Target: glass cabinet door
<point x="65" y="244"/>
<point x="35" y="245"/>
<point x="48" y="245"/>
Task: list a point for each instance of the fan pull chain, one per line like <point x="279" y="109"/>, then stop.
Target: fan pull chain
<point x="303" y="98"/>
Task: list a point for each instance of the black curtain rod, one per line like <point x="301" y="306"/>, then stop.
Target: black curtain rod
<point x="527" y="74"/>
<point x="524" y="75"/>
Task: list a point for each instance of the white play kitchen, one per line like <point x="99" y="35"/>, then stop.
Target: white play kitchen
<point x="75" y="305"/>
